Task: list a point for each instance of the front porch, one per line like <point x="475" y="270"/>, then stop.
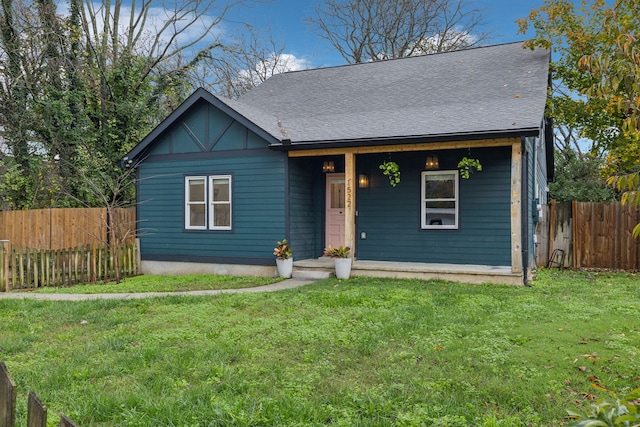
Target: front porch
<point x="379" y="221"/>
<point x="321" y="268"/>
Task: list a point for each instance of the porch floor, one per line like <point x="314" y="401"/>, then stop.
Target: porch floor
<point x="475" y="274"/>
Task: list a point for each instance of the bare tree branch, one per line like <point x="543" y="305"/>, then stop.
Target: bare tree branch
<point x="371" y="30"/>
<point x="247" y="63"/>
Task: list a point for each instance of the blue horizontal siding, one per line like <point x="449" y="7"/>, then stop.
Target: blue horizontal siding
<point x="305" y="199"/>
<point x="258" y="203"/>
<point x="390" y="216"/>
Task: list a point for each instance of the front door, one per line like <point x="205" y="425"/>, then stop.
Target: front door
<point x="334" y="214"/>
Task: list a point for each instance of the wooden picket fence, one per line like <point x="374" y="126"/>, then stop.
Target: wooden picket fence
<point x="67" y="227"/>
<point x="24" y="268"/>
<point x="36" y="411"/>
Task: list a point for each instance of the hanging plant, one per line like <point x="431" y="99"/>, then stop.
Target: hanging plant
<point x="467" y="166"/>
<point x="392" y="171"/>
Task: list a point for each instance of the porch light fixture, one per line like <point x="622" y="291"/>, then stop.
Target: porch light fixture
<point x="432" y="162"/>
<point x="328" y="167"/>
<point x="363" y="181"/>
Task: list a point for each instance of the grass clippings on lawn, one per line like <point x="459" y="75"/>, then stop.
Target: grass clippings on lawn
<point x="361" y="352"/>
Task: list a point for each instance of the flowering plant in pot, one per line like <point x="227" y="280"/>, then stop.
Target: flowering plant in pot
<point x="339" y="252"/>
<point x="342" y="260"/>
<point x="284" y="258"/>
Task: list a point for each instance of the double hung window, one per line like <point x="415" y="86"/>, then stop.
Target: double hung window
<point x="439" y="200"/>
<point x="208" y="202"/>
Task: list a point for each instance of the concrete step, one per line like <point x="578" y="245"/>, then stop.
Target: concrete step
<point x="311" y="274"/>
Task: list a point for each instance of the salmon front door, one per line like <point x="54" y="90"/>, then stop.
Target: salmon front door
<point x="334" y="214"/>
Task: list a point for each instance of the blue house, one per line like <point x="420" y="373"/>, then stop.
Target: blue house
<point x="298" y="157"/>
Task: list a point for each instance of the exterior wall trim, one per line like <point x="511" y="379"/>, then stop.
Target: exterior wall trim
<point x="516" y="207"/>
<point x="427" y="146"/>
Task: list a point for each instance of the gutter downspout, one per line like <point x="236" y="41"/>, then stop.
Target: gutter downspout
<point x="524" y="214"/>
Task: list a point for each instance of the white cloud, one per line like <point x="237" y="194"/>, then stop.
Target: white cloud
<point x="274" y="64"/>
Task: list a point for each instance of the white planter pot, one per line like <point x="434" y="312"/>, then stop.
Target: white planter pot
<point x="285" y="267"/>
<point x="343" y="267"/>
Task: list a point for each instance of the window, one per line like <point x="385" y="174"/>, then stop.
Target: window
<point x="439" y="200"/>
<point x="196" y="207"/>
<point x="337" y="193"/>
<point x="208" y="202"/>
<point x="220" y="199"/>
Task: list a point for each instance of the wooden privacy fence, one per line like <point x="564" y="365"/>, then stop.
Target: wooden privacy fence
<point x="67" y="228"/>
<point x="595" y="235"/>
<point x="34" y="268"/>
<point x="36" y="411"/>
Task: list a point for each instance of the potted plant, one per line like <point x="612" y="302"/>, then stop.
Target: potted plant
<point x="467" y="166"/>
<point x="284" y="259"/>
<point x="342" y="260"/>
<point x="392" y="171"/>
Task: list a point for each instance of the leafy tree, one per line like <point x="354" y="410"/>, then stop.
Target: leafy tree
<point x="579" y="178"/>
<point x="599" y="66"/>
<point x="372" y="30"/>
<point x="86" y="85"/>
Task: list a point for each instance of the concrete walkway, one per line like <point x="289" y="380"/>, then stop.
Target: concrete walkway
<point x="285" y="284"/>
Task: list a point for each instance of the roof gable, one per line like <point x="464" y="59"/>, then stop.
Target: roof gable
<point x="203" y="122"/>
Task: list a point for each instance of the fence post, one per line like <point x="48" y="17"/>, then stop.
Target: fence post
<point x="36" y="412"/>
<point x="4" y="265"/>
<point x="7" y="398"/>
<point x="574" y="234"/>
<point x="66" y="422"/>
<point x="138" y="269"/>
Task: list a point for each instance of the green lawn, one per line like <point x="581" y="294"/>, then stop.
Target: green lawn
<point x="362" y="352"/>
<point x="189" y="282"/>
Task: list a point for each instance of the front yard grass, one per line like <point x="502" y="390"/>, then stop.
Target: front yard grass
<point x="361" y="352"/>
<point x="188" y="282"/>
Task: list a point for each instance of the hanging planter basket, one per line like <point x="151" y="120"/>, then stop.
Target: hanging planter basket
<point x="392" y="171"/>
<point x="469" y="166"/>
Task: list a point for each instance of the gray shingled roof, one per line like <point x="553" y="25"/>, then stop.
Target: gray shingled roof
<point x="476" y="93"/>
<point x="498" y="89"/>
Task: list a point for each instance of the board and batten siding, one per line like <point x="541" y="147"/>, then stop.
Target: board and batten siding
<point x="390" y="216"/>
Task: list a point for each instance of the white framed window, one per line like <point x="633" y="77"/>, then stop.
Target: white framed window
<point x="207" y="202"/>
<point x="195" y="215"/>
<point x="220" y="202"/>
<point x="439" y="200"/>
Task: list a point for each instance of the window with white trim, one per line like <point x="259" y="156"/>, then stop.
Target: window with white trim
<point x="439" y="200"/>
<point x="220" y="202"/>
<point x="208" y="202"/>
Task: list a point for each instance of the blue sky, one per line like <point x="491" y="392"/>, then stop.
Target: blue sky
<point x="286" y="20"/>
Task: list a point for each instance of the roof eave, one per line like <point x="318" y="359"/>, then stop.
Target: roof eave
<point x="413" y="139"/>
